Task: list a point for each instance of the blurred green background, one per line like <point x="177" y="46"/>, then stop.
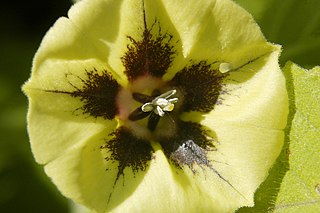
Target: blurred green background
<point x="23" y="186"/>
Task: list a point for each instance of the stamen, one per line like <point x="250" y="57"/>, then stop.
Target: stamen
<point x="147" y="107"/>
<point x="156" y="107"/>
<point x="161" y="104"/>
<point x="138" y="114"/>
<point x="153" y="121"/>
<point x="159" y="111"/>
<point x="141" y="97"/>
<point x="167" y="94"/>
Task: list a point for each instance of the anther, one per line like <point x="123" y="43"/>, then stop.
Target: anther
<point x="161" y="104"/>
<point x="155" y="107"/>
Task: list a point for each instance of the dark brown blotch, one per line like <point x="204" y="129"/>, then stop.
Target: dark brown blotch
<point x="189" y="146"/>
<point x="128" y="151"/>
<point x="200" y="85"/>
<point x="151" y="55"/>
<point x="98" y="95"/>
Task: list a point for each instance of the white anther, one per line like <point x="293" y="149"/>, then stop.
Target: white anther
<point x="159" y="111"/>
<point x="173" y="100"/>
<point x="161" y="104"/>
<point x="225" y="67"/>
<point x="147" y="107"/>
<point x="167" y="94"/>
<point x="168" y="108"/>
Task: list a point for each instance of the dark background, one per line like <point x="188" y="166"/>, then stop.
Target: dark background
<point x="23" y="185"/>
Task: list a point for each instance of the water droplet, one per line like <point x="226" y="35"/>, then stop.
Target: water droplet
<point x="225" y="67"/>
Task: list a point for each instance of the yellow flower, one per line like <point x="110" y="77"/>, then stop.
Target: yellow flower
<point x="157" y="105"/>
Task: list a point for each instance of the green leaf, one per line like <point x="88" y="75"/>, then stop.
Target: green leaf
<point x="299" y="191"/>
<point x="294" y="24"/>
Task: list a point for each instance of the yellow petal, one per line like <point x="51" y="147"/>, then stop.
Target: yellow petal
<point x="248" y="125"/>
<point x="243" y="157"/>
<point x="257" y="97"/>
<point x="80" y="173"/>
<point x="167" y="189"/>
<point x="54" y="124"/>
<point x="215" y="30"/>
<point x="94" y="30"/>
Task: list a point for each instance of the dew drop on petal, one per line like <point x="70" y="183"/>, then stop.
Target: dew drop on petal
<point x="225" y="67"/>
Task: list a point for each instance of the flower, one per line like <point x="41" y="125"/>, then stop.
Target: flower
<point x="167" y="106"/>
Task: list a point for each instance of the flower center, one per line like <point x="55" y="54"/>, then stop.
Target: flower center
<point x="155" y="106"/>
<point x="161" y="104"/>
